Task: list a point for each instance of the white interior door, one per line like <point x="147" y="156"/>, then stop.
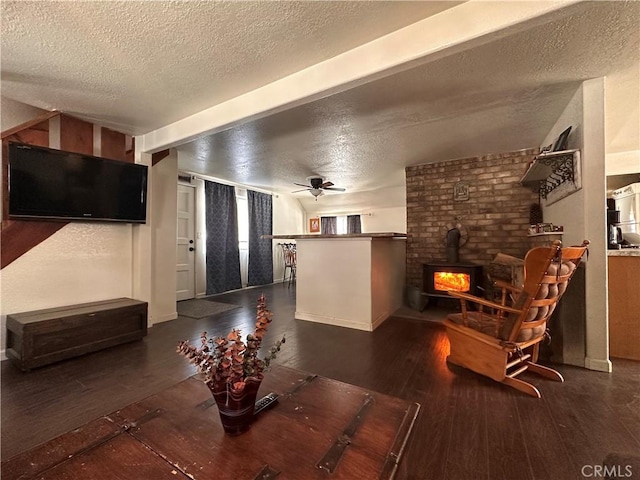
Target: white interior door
<point x="185" y="267"/>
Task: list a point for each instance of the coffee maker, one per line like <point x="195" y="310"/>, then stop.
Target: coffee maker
<point x="614" y="233"/>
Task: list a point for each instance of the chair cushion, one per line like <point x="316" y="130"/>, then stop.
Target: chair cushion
<point x="567" y="267"/>
<point x="512" y="318"/>
<point x="476" y="321"/>
<point x="546" y="291"/>
<point x="525" y="334"/>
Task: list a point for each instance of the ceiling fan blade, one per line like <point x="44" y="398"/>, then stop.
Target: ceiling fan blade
<point x="303" y="190"/>
<point x="335" y="189"/>
<point x="302" y="185"/>
<point x="326" y="184"/>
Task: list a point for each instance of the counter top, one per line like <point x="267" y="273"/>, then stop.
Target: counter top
<point x="624" y="252"/>
<point x="344" y="235"/>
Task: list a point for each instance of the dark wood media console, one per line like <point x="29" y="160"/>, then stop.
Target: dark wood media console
<point x="46" y="336"/>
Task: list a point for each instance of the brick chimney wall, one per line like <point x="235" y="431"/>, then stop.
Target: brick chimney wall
<point x="496" y="215"/>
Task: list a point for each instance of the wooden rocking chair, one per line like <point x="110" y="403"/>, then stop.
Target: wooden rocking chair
<point x="504" y="341"/>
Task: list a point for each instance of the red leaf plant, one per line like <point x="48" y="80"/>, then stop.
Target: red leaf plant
<point x="228" y="363"/>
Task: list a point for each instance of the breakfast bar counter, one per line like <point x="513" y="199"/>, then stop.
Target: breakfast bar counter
<point x="352" y="280"/>
<point x="624" y="252"/>
<point x="317" y="236"/>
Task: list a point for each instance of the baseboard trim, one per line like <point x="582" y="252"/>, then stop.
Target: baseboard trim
<point x="163" y="318"/>
<point x="598" y="364"/>
<point x="380" y="320"/>
<point x="575" y="361"/>
<point x="338" y="322"/>
<point x="204" y="295"/>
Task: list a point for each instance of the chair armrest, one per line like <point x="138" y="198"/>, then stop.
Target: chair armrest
<point x="512" y="290"/>
<point x="482" y="301"/>
<point x="507" y="286"/>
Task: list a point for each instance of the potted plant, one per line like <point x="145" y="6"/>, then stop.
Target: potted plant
<point x="232" y="370"/>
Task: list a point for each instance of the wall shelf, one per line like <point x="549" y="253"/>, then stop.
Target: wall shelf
<point x="544" y="239"/>
<point x="551" y="170"/>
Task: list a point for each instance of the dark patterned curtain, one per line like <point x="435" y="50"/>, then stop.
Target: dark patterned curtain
<point x="353" y="224"/>
<point x="328" y="225"/>
<point x="260" y="250"/>
<point x="223" y="254"/>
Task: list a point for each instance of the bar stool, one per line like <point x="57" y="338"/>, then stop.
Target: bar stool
<point x="289" y="255"/>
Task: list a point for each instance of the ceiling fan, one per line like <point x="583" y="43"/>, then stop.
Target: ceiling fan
<point x="317" y="187"/>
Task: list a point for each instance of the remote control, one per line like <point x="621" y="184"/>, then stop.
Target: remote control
<point x="265" y="402"/>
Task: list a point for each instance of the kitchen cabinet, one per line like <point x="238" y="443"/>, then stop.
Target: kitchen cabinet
<point x="624" y="304"/>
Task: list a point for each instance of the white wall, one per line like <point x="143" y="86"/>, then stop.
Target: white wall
<point x="288" y="218"/>
<point x="583" y="213"/>
<point x="607" y="114"/>
<point x="15" y="113"/>
<point x="569" y="212"/>
<point x="392" y="219"/>
<point x="164" y="214"/>
<point x="383" y="210"/>
<point x="79" y="263"/>
<point x="622" y="110"/>
<point x="595" y="200"/>
<point x="388" y="266"/>
<point x="623" y="163"/>
<point x="361" y="290"/>
<point x="339" y="295"/>
<point x="622" y="114"/>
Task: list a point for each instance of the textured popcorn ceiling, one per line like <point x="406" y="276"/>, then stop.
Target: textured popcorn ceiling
<point x="144" y="64"/>
<point x="137" y="66"/>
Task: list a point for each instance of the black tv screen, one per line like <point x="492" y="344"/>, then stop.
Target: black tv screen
<point x="52" y="184"/>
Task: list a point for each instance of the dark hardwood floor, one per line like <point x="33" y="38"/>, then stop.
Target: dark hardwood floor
<point x="469" y="426"/>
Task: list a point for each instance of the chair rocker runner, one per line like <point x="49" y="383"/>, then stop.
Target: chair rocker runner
<point x="502" y="340"/>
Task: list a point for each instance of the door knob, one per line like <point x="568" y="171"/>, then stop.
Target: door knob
<point x="191" y="249"/>
<point x="190" y="241"/>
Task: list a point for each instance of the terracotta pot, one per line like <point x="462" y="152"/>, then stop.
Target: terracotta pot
<point x="236" y="409"/>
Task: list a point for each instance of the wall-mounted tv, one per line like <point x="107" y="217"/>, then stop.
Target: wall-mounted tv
<point x="52" y="184"/>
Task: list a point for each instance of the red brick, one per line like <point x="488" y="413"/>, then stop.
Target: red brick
<point x="496" y="215"/>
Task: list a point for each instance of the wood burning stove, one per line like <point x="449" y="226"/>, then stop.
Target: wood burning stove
<point x="438" y="278"/>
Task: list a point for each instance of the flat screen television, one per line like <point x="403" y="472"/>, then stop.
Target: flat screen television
<point x="52" y="184"/>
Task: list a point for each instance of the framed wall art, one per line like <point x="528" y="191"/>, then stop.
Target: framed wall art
<point x="314" y="225"/>
<point x="460" y="192"/>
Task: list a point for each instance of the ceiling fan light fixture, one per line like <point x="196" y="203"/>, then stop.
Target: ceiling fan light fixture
<point x="317" y="186"/>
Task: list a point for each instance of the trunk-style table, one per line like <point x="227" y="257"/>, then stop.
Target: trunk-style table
<point x="319" y="428"/>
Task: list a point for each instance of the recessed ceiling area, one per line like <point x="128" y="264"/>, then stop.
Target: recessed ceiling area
<point x="501" y="96"/>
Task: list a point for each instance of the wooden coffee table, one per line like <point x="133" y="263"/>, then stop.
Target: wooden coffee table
<point x="320" y="428"/>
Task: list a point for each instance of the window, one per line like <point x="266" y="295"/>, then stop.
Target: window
<point x="243" y="220"/>
<point x="342" y="225"/>
<point x="243" y="233"/>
